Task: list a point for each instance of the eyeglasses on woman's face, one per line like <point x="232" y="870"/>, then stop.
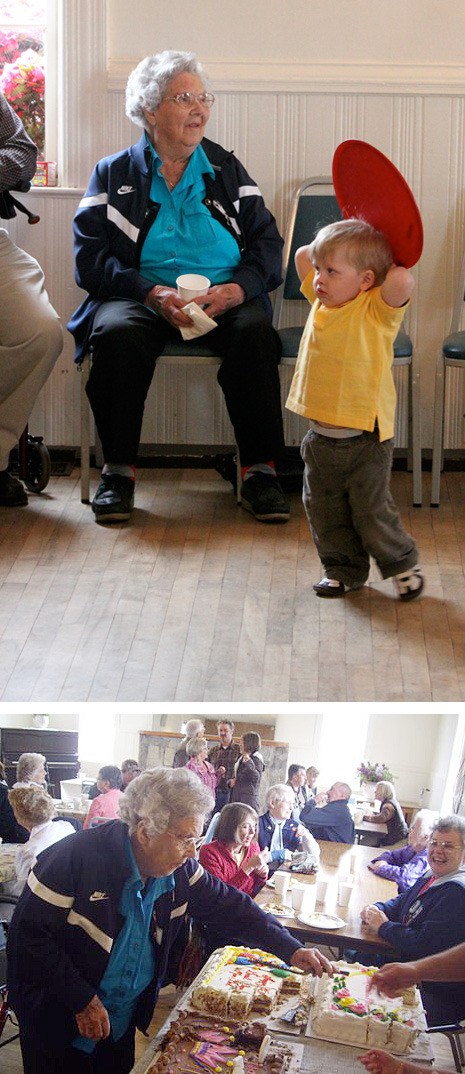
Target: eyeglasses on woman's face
<point x="437" y="844"/>
<point x="187" y="100"/>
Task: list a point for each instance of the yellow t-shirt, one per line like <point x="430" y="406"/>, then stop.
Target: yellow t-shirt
<point x="343" y="374"/>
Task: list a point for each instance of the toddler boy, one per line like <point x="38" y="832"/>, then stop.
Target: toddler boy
<point x="343" y="382"/>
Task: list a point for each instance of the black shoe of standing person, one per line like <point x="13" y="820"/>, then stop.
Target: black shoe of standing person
<point x="114" y="499"/>
<point x="12" y="492"/>
<point x="262" y="495"/>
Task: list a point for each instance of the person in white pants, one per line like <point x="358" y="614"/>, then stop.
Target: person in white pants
<point x="31" y="337"/>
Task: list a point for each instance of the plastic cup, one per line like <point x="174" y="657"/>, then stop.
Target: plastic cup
<point x="191" y="286"/>
<point x="77" y="803"/>
<point x="354" y="861"/>
<point x="281" y="885"/>
<point x="321" y="889"/>
<point x="298" y="895"/>
<point x="344" y="891"/>
<point x="309" y="900"/>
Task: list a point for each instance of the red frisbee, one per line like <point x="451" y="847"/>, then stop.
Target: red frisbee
<point x="369" y="186"/>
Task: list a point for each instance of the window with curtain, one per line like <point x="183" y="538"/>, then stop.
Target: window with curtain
<point x="22" y="63"/>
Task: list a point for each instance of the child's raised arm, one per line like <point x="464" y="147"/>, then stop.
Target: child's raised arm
<point x="398" y="286"/>
<point x="302" y="262"/>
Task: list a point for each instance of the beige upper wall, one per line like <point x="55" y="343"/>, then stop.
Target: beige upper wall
<point x="339" y="31"/>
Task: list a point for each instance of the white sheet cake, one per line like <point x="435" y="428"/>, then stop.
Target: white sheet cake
<point x="344" y="1012"/>
<point x="235" y="990"/>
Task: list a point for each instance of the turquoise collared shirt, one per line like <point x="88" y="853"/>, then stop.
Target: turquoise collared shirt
<point x="185" y="237"/>
<point x="131" y="965"/>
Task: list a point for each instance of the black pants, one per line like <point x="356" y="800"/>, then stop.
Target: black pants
<point x="109" y="1057"/>
<point x="126" y="341"/>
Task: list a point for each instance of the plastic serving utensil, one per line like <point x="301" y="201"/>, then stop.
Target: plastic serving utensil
<point x="370" y="187"/>
<point x="279" y="971"/>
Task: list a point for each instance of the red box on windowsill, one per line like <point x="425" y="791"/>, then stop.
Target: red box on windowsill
<point x="46" y="173"/>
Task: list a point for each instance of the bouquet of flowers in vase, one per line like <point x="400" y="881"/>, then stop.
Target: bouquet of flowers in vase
<point x="372" y="773"/>
<point x="23" y="84"/>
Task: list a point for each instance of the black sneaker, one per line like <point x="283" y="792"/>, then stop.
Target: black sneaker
<point x="12" y="492"/>
<point x="262" y="495"/>
<point x="114" y="499"/>
<point x="330" y="587"/>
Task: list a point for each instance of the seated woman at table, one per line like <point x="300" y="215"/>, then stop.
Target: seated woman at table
<point x="406" y="865"/>
<point x="234" y="854"/>
<point x="430" y="917"/>
<point x="278" y="832"/>
<point x="106" y="805"/>
<point x="390" y="814"/>
<point x="34" y="809"/>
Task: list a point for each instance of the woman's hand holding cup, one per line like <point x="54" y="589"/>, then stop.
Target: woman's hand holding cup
<point x="166" y="302"/>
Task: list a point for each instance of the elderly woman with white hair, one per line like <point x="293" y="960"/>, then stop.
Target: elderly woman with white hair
<point x="91" y="938"/>
<point x="34" y="809"/>
<point x="31" y="769"/>
<point x="176" y="203"/>
<point x="405" y="865"/>
<point x="279" y="832"/>
<point x="390" y="813"/>
<point x="194" y="729"/>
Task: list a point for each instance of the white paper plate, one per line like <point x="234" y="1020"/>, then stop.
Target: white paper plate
<point x="270" y="908"/>
<point x="321" y="921"/>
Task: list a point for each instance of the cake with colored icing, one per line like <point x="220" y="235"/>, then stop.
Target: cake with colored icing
<point x="227" y="989"/>
<point x="345" y="1012"/>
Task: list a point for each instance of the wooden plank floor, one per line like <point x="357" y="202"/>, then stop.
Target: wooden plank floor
<point x="195" y="601"/>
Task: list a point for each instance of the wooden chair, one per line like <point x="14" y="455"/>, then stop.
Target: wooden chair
<point x="451" y="356"/>
<point x="313" y="206"/>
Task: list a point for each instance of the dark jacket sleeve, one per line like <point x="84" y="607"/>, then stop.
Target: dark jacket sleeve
<point x="260" y="268"/>
<point x="439" y="925"/>
<point x="97" y="268"/>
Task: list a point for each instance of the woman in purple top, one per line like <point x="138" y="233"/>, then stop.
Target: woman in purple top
<point x="407" y="864"/>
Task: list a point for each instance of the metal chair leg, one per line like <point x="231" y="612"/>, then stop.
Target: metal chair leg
<point x="85" y="434"/>
<point x="415" y="409"/>
<point x="438" y="430"/>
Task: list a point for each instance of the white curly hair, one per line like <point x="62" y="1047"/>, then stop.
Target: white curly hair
<point x="147" y="83"/>
<point x="159" y="794"/>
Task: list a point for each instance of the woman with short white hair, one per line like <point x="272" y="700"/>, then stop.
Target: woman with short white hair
<point x="194" y="729"/>
<point x="93" y="939"/>
<point x="31" y="768"/>
<point x="279" y="832"/>
<point x="35" y="810"/>
<point x="405" y="865"/>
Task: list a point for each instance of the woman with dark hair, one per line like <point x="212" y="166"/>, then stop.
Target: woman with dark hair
<point x="106" y="806"/>
<point x="248" y="771"/>
<point x="234" y="854"/>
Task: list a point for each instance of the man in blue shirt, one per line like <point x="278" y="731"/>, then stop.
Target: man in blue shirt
<point x="332" y="821"/>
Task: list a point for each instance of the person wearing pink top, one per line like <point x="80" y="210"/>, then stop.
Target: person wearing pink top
<point x="234" y="855"/>
<point x="106" y="805"/>
<point x="197" y="751"/>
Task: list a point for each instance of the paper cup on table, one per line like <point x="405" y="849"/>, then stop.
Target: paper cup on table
<point x="344" y="891"/>
<point x="354" y="861"/>
<point x="281" y="885"/>
<point x="191" y="286"/>
<point x="358" y="816"/>
<point x="298" y="896"/>
<point x="309" y="900"/>
<point x="321" y="890"/>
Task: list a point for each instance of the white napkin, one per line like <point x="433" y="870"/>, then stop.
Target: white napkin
<point x="202" y="322"/>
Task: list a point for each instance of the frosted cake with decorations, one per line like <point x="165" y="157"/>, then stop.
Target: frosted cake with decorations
<point x="344" y="1012"/>
<point x="227" y="988"/>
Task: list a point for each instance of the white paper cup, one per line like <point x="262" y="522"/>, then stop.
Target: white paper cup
<point x="344" y="891"/>
<point x="297" y="895"/>
<point x="191" y="286"/>
<point x="354" y="861"/>
<point x="321" y="889"/>
<point x="358" y="816"/>
<point x="309" y="900"/>
<point x="77" y="803"/>
<point x="281" y="885"/>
